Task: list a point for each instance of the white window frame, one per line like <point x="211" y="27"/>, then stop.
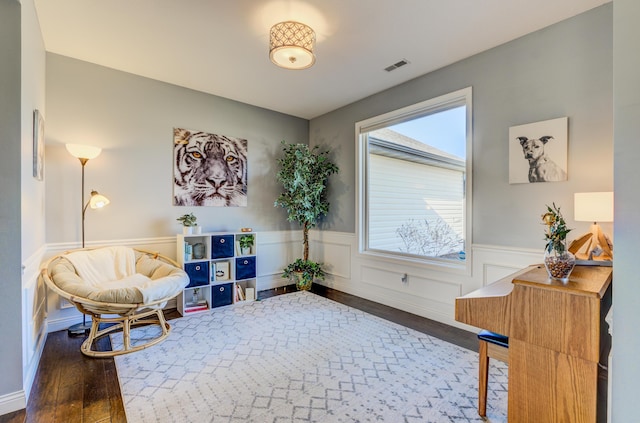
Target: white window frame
<point x="461" y="97"/>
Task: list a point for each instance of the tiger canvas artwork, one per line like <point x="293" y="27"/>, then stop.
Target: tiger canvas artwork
<point x="209" y="169"/>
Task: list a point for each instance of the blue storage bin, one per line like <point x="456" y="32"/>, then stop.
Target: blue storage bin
<point x="245" y="268"/>
<point x="221" y="295"/>
<point x="198" y="273"/>
<point x="222" y="246"/>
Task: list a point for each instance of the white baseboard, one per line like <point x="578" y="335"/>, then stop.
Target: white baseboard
<point x="54" y="325"/>
<point x="12" y="402"/>
<point x="31" y="370"/>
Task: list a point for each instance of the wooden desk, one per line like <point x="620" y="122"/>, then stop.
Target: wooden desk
<point x="554" y="332"/>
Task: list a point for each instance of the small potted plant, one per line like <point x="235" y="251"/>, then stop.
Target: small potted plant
<point x="558" y="261"/>
<point x="246" y="242"/>
<point x="303" y="272"/>
<point x="188" y="223"/>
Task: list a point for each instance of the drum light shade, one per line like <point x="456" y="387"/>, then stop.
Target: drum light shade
<point x="593" y="206"/>
<point x="291" y="45"/>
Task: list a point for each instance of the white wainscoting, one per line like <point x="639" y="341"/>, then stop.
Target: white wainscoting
<point x="275" y="250"/>
<point x="418" y="289"/>
<point x="34" y="332"/>
<point x="427" y="292"/>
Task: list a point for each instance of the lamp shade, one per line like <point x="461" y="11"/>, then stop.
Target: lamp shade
<point x="291" y="45"/>
<point x="593" y="206"/>
<point x="97" y="200"/>
<point x="83" y="151"/>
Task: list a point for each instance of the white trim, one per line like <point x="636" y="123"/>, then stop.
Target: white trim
<point x="429" y="292"/>
<point x="462" y="96"/>
<point x="339" y="251"/>
<point x="280" y="245"/>
<point x="133" y="242"/>
<point x="54" y="325"/>
<point x="33" y="315"/>
<point x="13" y="401"/>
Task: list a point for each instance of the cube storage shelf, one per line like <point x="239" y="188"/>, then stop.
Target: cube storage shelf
<point x="220" y="272"/>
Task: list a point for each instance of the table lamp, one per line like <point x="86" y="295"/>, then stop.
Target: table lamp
<point x="593" y="247"/>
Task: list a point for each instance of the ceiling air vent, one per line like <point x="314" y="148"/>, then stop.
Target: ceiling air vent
<point x="397" y="65"/>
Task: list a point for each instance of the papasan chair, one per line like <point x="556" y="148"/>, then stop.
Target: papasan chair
<point x="132" y="284"/>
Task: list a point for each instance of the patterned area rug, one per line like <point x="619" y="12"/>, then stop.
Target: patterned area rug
<point x="302" y="358"/>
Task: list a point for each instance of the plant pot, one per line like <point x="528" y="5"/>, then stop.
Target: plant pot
<point x="187" y="230"/>
<point x="302" y="283"/>
<point x="245" y="251"/>
<point x="559" y="265"/>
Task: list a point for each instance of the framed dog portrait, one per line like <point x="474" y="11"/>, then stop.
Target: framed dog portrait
<point x="538" y="151"/>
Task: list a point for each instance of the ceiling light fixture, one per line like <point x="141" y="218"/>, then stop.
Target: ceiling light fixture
<point x="291" y="45"/>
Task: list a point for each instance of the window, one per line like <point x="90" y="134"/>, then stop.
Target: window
<point x="414" y="182"/>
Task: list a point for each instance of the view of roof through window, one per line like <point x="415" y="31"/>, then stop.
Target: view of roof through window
<point x="444" y="130"/>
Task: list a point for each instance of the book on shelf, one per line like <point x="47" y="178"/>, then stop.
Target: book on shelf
<point x="222" y="270"/>
<point x="194" y="309"/>
<point x="199" y="306"/>
<point x="239" y="293"/>
<point x="250" y="294"/>
<point x="196" y="303"/>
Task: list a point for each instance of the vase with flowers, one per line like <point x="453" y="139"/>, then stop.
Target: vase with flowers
<point x="558" y="260"/>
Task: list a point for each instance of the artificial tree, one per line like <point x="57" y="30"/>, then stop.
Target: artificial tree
<point x="304" y="173"/>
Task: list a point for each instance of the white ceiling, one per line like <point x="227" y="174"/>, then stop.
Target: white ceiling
<point x="221" y="46"/>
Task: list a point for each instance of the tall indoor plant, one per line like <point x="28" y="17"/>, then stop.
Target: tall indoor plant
<point x="304" y="173"/>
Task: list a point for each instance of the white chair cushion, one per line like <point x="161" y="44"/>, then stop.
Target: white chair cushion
<point x="103" y="264"/>
<point x="111" y="278"/>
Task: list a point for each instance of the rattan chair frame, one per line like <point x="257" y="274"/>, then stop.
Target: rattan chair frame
<point x="128" y="315"/>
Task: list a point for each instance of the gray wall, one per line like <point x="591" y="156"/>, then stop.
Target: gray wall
<point x="10" y="261"/>
<point x="131" y="118"/>
<point x="562" y="70"/>
<point x="626" y="291"/>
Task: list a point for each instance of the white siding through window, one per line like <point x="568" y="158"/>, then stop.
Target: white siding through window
<point x="401" y="191"/>
<point x="414" y="172"/>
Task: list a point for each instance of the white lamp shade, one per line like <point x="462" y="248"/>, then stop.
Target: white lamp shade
<point x="83" y="151"/>
<point x="593" y="206"/>
<point x="291" y="45"/>
<point x="98" y="201"/>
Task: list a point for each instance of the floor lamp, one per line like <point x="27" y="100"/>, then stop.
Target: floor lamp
<point x="593" y="207"/>
<point x="84" y="153"/>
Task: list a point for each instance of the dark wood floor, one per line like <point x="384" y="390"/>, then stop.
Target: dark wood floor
<point x="70" y="387"/>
